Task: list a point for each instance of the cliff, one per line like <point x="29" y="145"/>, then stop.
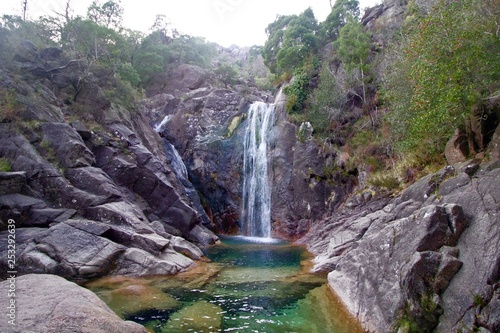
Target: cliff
<point x="88" y="184"/>
<point x="427" y="260"/>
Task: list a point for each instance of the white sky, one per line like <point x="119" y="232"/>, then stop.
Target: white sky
<point x="226" y="22"/>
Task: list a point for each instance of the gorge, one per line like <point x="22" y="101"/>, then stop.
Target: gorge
<point x="140" y="190"/>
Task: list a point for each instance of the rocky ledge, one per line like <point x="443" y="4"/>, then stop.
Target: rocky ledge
<point x="51" y="304"/>
<point x="425" y="261"/>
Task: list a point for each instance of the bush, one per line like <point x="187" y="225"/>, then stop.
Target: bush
<point x="5" y="165"/>
<point x="446" y="65"/>
<point x="10" y="107"/>
<point x="297" y="91"/>
<point x="325" y="103"/>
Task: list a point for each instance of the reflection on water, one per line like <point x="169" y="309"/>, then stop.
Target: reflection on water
<point x="250" y="286"/>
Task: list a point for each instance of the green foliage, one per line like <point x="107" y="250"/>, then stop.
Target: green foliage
<point x="92" y="41"/>
<point x="342" y="11"/>
<point x="445" y="65"/>
<point x="297" y="91"/>
<point x="478" y="300"/>
<point x="128" y="73"/>
<point x="157" y="53"/>
<point x="190" y="50"/>
<point x="108" y="14"/>
<point x="226" y="74"/>
<point x="5" y="165"/>
<point x="148" y="65"/>
<point x="10" y="107"/>
<point x="292" y="40"/>
<point x="325" y="103"/>
<point x="385" y="180"/>
<point x="353" y="46"/>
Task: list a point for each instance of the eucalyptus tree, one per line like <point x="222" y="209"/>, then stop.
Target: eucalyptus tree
<point x="292" y="40"/>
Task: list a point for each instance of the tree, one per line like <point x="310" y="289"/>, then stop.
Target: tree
<point x="275" y="35"/>
<point x="226" y="74"/>
<point x="341" y="13"/>
<point x="108" y="14"/>
<point x="163" y="25"/>
<point x="325" y="102"/>
<point x="353" y="50"/>
<point x="291" y="42"/>
<point x="24" y="8"/>
<point x="446" y="65"/>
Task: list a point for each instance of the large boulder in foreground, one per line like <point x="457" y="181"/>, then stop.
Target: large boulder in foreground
<point x="51" y="304"/>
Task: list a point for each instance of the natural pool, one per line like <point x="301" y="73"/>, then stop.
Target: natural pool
<point x="249" y="286"/>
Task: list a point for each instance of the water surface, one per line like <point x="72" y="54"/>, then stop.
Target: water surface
<point x="251" y="285"/>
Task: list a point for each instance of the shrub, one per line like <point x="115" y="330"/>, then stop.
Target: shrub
<point x="5" y="165"/>
<point x="10" y="107"/>
<point x="297" y="91"/>
<point x="325" y="103"/>
<point x="444" y="66"/>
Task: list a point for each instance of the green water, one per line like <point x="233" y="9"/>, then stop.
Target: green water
<point x="249" y="286"/>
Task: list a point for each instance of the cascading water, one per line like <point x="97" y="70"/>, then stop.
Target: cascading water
<point x="256" y="213"/>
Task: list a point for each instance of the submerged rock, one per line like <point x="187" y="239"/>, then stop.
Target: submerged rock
<point x="202" y="316"/>
<point x="50" y="304"/>
<point x="127" y="296"/>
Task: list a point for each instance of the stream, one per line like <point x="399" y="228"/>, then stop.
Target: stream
<point x="249" y="285"/>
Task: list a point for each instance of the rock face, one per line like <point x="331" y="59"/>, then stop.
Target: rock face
<point x="457" y="148"/>
<point x="427" y="259"/>
<point x="85" y="194"/>
<point x="306" y="180"/>
<point x="208" y="126"/>
<point x="50" y="304"/>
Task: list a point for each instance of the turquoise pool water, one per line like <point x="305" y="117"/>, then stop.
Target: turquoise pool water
<point x="250" y="285"/>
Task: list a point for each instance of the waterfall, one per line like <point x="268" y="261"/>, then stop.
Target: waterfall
<point x="165" y="120"/>
<point x="174" y="159"/>
<point x="256" y="213"/>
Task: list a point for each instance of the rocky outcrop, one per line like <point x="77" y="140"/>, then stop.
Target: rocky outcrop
<point x="306" y="179"/>
<point x="457" y="148"/>
<point x="205" y="126"/>
<point x="208" y="126"/>
<point x="50" y="304"/>
<point x="86" y="193"/>
<point x="426" y="260"/>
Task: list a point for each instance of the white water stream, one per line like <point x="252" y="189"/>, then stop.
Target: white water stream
<point x="256" y="213"/>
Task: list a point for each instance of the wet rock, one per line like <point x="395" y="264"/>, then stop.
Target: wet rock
<point x="67" y="308"/>
<point x="202" y="235"/>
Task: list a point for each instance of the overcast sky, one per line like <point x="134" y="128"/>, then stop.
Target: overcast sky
<point x="226" y="22"/>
